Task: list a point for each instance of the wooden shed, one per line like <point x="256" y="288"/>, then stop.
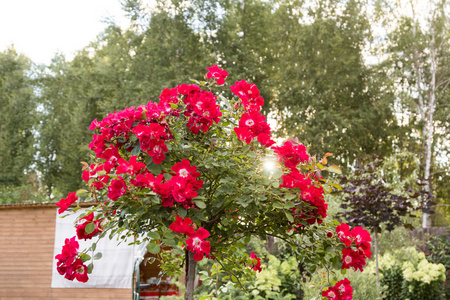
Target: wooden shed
<point x="27" y="237"/>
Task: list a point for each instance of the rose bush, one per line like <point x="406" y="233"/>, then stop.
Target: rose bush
<point x="188" y="173"/>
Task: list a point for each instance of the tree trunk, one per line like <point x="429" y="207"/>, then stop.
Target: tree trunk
<point x="190" y="275"/>
<point x="429" y="129"/>
<point x="426" y="110"/>
<point x="376" y="259"/>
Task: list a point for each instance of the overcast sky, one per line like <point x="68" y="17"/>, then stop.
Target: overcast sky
<point x="41" y="28"/>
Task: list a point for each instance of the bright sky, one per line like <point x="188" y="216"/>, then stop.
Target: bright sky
<point x="41" y="28"/>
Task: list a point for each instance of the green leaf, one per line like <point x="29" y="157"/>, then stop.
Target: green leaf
<point x="98" y="255"/>
<point x="90" y="268"/>
<point x="94" y="245"/>
<point x="290" y="196"/>
<point x="173" y="106"/>
<point x="335" y="169"/>
<point x="277" y="205"/>
<point x="153" y="248"/>
<point x="169" y="235"/>
<point x="335" y="185"/>
<point x="289" y="216"/>
<point x="327" y="189"/>
<point x="169" y="242"/>
<point x="136" y="150"/>
<point x="154" y="235"/>
<point x="182" y="212"/>
<point x="82" y="191"/>
<point x="234" y="278"/>
<point x="337" y="264"/>
<point x="200" y="204"/>
<point x="320" y="166"/>
<point x="223" y="180"/>
<point x="251" y="154"/>
<point x="90" y="228"/>
<point x="154" y="168"/>
<point x="289" y="204"/>
<point x="84" y="257"/>
<point x="277" y="173"/>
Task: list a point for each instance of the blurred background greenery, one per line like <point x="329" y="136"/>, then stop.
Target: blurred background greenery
<point x="352" y="77"/>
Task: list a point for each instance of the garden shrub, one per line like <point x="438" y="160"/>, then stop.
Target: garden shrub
<point x="406" y="274"/>
<point x="364" y="284"/>
<point x="278" y="279"/>
<point x="438" y="247"/>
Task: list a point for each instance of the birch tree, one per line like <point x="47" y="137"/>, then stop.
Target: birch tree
<point x="419" y="59"/>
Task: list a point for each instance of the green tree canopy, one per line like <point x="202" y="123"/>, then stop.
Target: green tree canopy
<point x="17" y="107"/>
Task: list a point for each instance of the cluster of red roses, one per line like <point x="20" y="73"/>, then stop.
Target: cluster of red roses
<point x="152" y="129"/>
<point x="68" y="264"/>
<point x="115" y="125"/>
<point x="252" y="124"/>
<point x="361" y="238"/>
<point x="311" y="192"/>
<point x="196" y="242"/>
<point x="201" y="106"/>
<point x="182" y="187"/>
<point x="340" y="291"/>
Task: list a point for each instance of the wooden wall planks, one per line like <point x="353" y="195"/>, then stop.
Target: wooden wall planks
<point x="26" y="254"/>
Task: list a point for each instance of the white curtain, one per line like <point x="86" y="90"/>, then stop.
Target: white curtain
<point x="113" y="270"/>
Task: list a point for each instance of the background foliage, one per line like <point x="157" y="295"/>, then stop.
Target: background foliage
<point x="341" y="75"/>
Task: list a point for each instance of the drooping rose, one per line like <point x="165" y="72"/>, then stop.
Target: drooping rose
<point x="66" y="202"/>
<point x="255" y="266"/>
<point x="196" y="244"/>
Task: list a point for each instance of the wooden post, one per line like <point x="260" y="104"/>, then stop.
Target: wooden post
<point x="190" y="276"/>
<point x="376" y="258"/>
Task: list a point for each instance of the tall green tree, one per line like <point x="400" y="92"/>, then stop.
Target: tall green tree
<point x="326" y="94"/>
<point x="121" y="69"/>
<point x="242" y="42"/>
<point x="159" y="50"/>
<point x="69" y="99"/>
<point x="17" y="108"/>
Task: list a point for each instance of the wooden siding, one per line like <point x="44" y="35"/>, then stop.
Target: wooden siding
<point x="26" y="255"/>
